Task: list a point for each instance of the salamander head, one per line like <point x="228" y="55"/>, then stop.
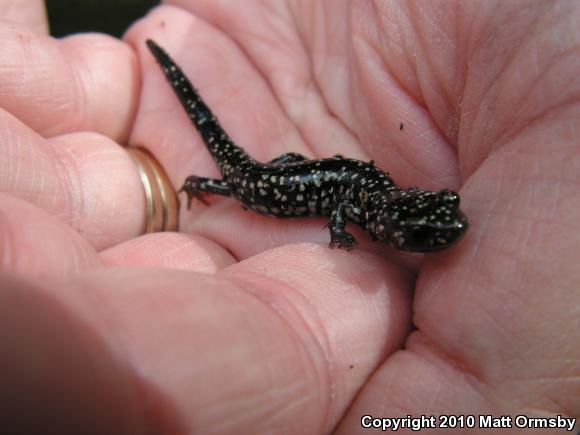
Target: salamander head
<point x="419" y="220"/>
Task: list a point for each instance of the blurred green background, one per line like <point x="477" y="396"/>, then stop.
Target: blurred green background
<point x="108" y="16"/>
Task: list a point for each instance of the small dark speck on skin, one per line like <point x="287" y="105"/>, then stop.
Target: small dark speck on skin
<point x="401" y="126"/>
<point x="351" y="366"/>
<point x="341" y="189"/>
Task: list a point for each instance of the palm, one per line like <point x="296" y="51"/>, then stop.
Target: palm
<point x="321" y="330"/>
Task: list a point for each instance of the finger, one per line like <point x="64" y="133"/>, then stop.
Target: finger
<point x="169" y="250"/>
<point x="84" y="82"/>
<point x="356" y="308"/>
<point x="37" y="244"/>
<point x="56" y="374"/>
<point x="85" y="179"/>
<point x="293" y="353"/>
<point x="30" y="14"/>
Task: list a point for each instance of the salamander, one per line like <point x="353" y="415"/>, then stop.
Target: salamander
<point x="342" y="189"/>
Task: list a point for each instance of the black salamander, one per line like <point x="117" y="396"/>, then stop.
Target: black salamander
<point x="346" y="190"/>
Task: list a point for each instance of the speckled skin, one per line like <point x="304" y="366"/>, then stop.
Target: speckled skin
<point x="346" y="190"/>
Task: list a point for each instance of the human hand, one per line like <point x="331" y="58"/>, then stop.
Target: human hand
<point x="259" y="333"/>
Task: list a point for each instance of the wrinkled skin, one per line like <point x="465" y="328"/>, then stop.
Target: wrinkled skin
<point x="245" y="324"/>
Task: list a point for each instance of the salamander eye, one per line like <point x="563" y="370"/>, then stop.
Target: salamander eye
<point x="449" y="198"/>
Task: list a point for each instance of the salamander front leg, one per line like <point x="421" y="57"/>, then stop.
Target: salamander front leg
<point x="287" y="158"/>
<point x="198" y="187"/>
<point x="338" y="236"/>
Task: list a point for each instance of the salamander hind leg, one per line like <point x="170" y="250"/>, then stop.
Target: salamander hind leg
<point x="338" y="236"/>
<point x="287" y="158"/>
<point x="198" y="188"/>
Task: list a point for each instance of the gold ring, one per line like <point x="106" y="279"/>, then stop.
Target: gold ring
<point x="162" y="205"/>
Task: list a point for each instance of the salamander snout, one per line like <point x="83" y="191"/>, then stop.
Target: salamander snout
<point x="419" y="220"/>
